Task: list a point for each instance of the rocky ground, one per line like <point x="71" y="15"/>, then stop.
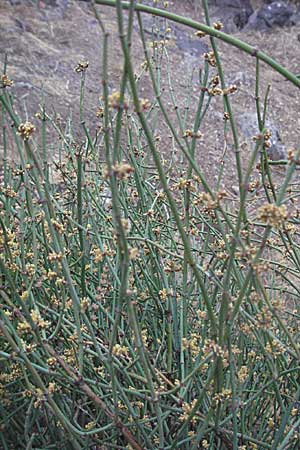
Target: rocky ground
<point x="44" y="41"/>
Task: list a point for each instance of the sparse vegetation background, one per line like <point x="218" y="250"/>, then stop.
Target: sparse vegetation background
<point x="143" y="306"/>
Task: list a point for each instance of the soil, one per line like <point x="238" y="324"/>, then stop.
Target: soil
<point x="43" y="44"/>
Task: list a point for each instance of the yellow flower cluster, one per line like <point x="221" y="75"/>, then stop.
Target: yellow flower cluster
<point x="200" y="34"/>
<point x="5" y="81"/>
<point x="272" y="215"/>
<point x="81" y="66"/>
<point x="114" y="101"/>
<point x="243" y="374"/>
<point x="145" y="104"/>
<point x="191" y="344"/>
<point x="187" y="408"/>
<point x="123" y="170"/>
<point x="38" y="320"/>
<point x="25" y="130"/>
<point x="222" y="396"/>
<point x="210" y="58"/>
<point x="120" y="350"/>
<point x="97" y="255"/>
<point x="207" y="201"/>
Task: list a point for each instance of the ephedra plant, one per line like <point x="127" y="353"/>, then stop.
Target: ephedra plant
<point x="140" y="306"/>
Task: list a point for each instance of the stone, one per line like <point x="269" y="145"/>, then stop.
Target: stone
<point x="231" y="3"/>
<point x="234" y="14"/>
<point x="240" y="79"/>
<point x="295" y="19"/>
<point x="187" y="44"/>
<point x="183" y="38"/>
<point x="277" y="13"/>
<point x="247" y="124"/>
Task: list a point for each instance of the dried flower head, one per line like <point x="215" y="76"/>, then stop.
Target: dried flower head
<point x="218" y="25"/>
<point x="114" y="101"/>
<point x="145" y="65"/>
<point x="207" y="201"/>
<point x="230" y="89"/>
<point x="187" y="408"/>
<point x="133" y="253"/>
<point x="100" y="112"/>
<point x="210" y="58"/>
<point x="120" y="350"/>
<point x="272" y="215"/>
<point x="145" y="104"/>
<point x="123" y="170"/>
<point x="200" y="34"/>
<point x="215" y="81"/>
<point x="5" y="81"/>
<point x="189" y="133"/>
<point x="90" y="425"/>
<point x="25" y="130"/>
<point x="81" y="66"/>
<point x="215" y="91"/>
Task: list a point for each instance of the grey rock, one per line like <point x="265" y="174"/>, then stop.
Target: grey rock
<point x="247" y="124"/>
<point x="295" y="19"/>
<point x="277" y="13"/>
<point x="195" y="47"/>
<point x="240" y="79"/>
<point x="234" y="14"/>
<point x="277" y="152"/>
<point x="231" y="3"/>
<point x="17" y="2"/>
<point x="185" y="41"/>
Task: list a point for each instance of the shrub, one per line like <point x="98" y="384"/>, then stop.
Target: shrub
<point x="142" y="309"/>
